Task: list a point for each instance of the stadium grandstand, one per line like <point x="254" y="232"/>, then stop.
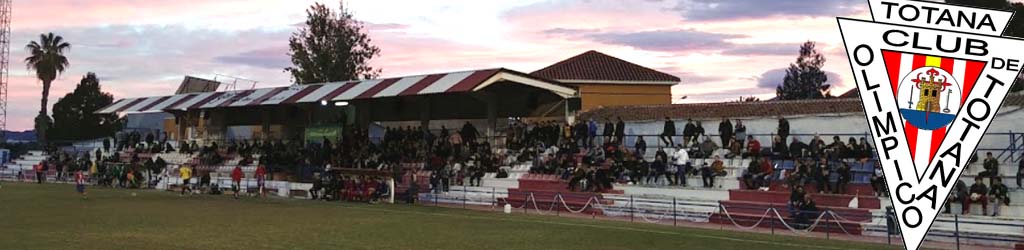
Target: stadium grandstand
<point x="593" y="135"/>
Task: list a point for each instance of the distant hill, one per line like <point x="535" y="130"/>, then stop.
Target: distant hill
<point x="21" y="136"/>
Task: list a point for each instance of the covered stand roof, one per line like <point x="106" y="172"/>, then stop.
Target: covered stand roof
<point x="442" y="83"/>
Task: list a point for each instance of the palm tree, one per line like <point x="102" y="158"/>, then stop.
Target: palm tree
<point x="47" y="59"/>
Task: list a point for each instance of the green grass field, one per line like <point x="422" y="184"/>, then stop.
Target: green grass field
<point x="53" y="216"/>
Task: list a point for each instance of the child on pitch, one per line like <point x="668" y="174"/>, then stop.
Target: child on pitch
<point x="80" y="184"/>
<point x="236" y="180"/>
<point x="185" y="172"/>
<point x="260" y="175"/>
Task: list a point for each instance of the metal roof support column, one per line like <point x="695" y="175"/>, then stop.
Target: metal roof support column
<point x="180" y="123"/>
<point x="363" y="118"/>
<point x="265" y="117"/>
<point x="424" y="103"/>
<point x="492" y="118"/>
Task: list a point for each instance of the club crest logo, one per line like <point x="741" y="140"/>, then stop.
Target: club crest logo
<point x="931" y="77"/>
<point x="925" y="90"/>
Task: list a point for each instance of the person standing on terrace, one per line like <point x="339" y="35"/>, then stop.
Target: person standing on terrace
<point x="991" y="166"/>
<point x="783" y="129"/>
<point x="740" y="133"/>
<point x="669" y="130"/>
<point x="682" y="164"/>
<point x="689" y="132"/>
<point x="469" y="132"/>
<point x="620" y="131"/>
<point x="608" y="132"/>
<point x="1020" y="171"/>
<point x="725" y="131"/>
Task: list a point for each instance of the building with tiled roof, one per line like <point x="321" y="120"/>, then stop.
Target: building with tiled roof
<point x="605" y="81"/>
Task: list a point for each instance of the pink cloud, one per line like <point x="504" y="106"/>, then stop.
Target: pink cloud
<point x="144" y="48"/>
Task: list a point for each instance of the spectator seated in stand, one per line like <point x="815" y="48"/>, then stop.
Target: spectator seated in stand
<point x="751" y="174"/>
<point x="753" y="147"/>
<point x="716" y="169"/>
<point x="979" y="194"/>
<point x="999" y="195"/>
<point x="959" y="194"/>
<point x="707" y="148"/>
<point x="806" y="210"/>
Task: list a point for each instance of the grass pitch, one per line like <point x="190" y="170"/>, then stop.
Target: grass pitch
<point x="53" y="216"/>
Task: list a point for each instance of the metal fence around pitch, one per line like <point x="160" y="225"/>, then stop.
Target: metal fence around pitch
<point x="768" y="218"/>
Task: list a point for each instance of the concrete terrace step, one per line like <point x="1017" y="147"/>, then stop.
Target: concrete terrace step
<point x="459" y="191"/>
<point x="680" y="193"/>
<point x="860" y="189"/>
<point x="505" y="183"/>
<point x="660" y="208"/>
<point x="833" y="200"/>
<point x="546" y="182"/>
<point x="745" y="220"/>
<point x="750" y="207"/>
<point x="546" y="199"/>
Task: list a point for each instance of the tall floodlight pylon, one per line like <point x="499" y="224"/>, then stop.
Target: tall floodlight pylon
<point x="5" y="54"/>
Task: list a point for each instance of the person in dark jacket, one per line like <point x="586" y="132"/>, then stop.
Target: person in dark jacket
<point x="783" y="129"/>
<point x="991" y="166"/>
<point x="697" y="132"/>
<point x="820" y="174"/>
<point x="661" y="153"/>
<point x="689" y="130"/>
<point x="1020" y="172"/>
<point x="960" y="195"/>
<point x="668" y="131"/>
<point x="609" y="130"/>
<point x="725" y="131"/>
<point x="807" y="210"/>
<point x="753" y="170"/>
<point x="641" y="147"/>
<point x="581" y="131"/>
<point x="469" y="133"/>
<point x="797" y="148"/>
<point x="620" y="131"/>
<point x="999" y="195"/>
<point x="979" y="194"/>
<point x="795" y="198"/>
<point x="660" y="167"/>
<point x="844" y="176"/>
<point x="779" y="148"/>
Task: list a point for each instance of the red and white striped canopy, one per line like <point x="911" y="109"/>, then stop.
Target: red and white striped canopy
<point x="454" y="82"/>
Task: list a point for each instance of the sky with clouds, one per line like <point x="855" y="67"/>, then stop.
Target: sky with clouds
<point x="721" y="49"/>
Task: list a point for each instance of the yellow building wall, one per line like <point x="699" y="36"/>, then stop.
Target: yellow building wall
<point x="607" y="95"/>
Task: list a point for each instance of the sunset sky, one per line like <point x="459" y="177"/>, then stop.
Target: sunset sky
<point x="721" y="49"/>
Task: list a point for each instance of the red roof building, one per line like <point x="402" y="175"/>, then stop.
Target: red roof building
<point x="605" y="81"/>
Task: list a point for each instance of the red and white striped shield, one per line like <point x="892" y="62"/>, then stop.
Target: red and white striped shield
<point x="930" y="90"/>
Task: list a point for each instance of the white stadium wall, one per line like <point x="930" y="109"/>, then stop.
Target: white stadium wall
<point x="1010" y="119"/>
